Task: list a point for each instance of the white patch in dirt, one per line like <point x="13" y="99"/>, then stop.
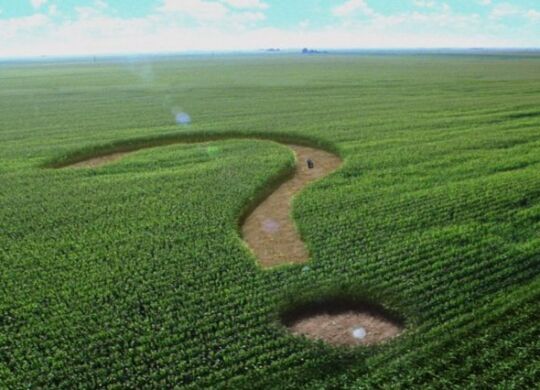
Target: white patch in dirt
<point x="359" y="333"/>
<point x="270" y="225"/>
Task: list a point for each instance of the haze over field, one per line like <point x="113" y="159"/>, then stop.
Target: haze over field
<point x="79" y="27"/>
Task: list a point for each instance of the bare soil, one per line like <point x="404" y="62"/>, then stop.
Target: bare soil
<point x="269" y="230"/>
<point x="96" y="162"/>
<point x="336" y="326"/>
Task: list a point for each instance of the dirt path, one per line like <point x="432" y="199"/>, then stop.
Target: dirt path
<point x="269" y="230"/>
<point x="96" y="162"/>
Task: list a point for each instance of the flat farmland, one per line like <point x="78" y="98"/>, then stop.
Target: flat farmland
<point x="134" y="274"/>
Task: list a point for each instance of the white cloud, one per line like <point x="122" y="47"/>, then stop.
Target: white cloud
<point x="250" y="4"/>
<point x="98" y="8"/>
<point x="352" y="7"/>
<point x="533" y="15"/>
<point x="112" y="35"/>
<point x="197" y="9"/>
<point x="424" y="3"/>
<point x="53" y="10"/>
<point x="11" y="28"/>
<point x="304" y="24"/>
<point x="174" y="27"/>
<point x="38" y="3"/>
<point x="241" y="19"/>
<point x="485" y="2"/>
<point x="245" y="12"/>
<point x="141" y="36"/>
<point x="504" y="10"/>
<point x="452" y="23"/>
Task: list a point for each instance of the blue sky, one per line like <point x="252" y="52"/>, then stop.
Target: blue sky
<point x="66" y="27"/>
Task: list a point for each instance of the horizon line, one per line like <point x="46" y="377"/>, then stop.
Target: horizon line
<point x="269" y="50"/>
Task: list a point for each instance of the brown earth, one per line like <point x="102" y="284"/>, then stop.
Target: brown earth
<point x="269" y="230"/>
<point x="96" y="162"/>
<point x="337" y="327"/>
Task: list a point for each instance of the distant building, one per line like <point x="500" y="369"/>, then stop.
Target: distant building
<point x="305" y="50"/>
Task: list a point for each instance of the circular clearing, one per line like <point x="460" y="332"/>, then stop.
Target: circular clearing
<point x="343" y="323"/>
